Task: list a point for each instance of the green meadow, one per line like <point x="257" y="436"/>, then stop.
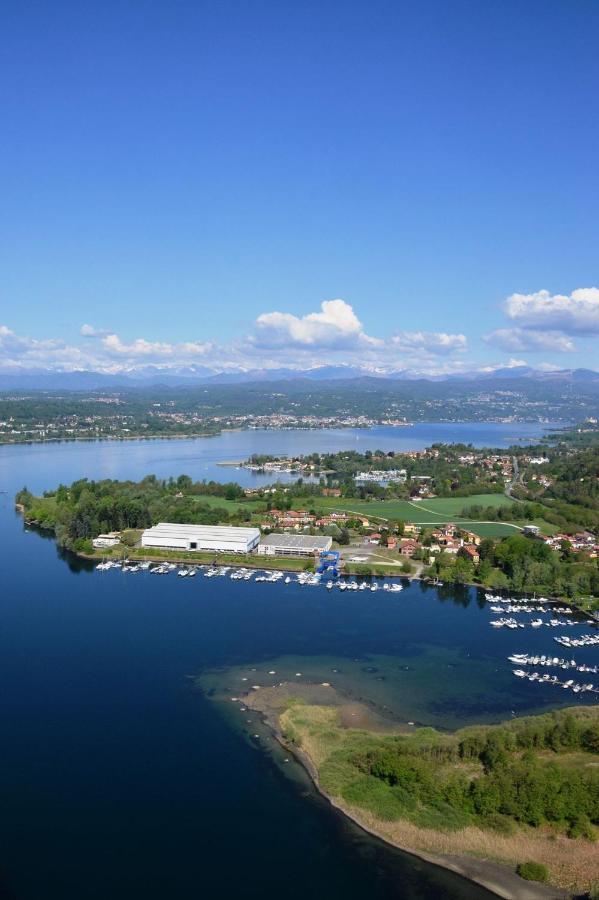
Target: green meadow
<point x="433" y="512"/>
<point x="231" y="506"/>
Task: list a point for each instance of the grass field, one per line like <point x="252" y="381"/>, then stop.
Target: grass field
<point x="451" y="506"/>
<point x="442" y="509"/>
<point x="491" y="529"/>
<point x="425" y="512"/>
<point x="230" y="505"/>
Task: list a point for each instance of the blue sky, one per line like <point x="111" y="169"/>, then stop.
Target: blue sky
<point x="193" y="180"/>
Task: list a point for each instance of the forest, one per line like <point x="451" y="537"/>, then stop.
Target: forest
<point x="514" y="781"/>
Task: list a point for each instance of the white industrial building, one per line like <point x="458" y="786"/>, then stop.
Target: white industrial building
<point x="217" y="538"/>
<point x="294" y="544"/>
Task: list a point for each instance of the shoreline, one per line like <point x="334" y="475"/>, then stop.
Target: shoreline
<point x="283" y="564"/>
<point x="497" y="878"/>
<point x="192" y="436"/>
<point x="220" y="431"/>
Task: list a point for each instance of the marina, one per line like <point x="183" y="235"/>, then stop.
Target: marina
<point x="243" y="574"/>
<point x="543" y="606"/>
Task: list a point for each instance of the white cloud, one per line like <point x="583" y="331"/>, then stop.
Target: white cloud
<point x="575" y="313"/>
<point x="336" y="326"/>
<point x="520" y="340"/>
<point x="107" y="352"/>
<point x="18" y="351"/>
<point x="337" y="329"/>
<point x="91" y="332"/>
<point x="433" y="342"/>
<point x="114" y="346"/>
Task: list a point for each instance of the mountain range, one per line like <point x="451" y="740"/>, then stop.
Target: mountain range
<point x="148" y="376"/>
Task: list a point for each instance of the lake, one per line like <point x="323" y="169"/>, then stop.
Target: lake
<point x="45" y="465"/>
<point x="120" y="779"/>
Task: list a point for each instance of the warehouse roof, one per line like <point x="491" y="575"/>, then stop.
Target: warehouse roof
<point x="206" y="531"/>
<point x="298" y="541"/>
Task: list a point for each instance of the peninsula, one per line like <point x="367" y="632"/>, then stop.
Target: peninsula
<point x="514" y="807"/>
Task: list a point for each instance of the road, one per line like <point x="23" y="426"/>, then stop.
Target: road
<point x="516" y="479"/>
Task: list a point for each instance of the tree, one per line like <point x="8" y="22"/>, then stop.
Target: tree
<point x="590" y="738"/>
<point x="498" y="580"/>
<point x="130" y="537"/>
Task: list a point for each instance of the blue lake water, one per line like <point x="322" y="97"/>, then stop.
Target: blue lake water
<point x="45" y="465"/>
<point x="119" y="779"/>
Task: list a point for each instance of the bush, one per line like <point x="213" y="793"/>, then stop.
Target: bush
<point x="533" y="871"/>
<point x="83" y="546"/>
<point x="582" y="827"/>
<point x="130" y="537"/>
<point x="407" y="568"/>
<point x="499" y="823"/>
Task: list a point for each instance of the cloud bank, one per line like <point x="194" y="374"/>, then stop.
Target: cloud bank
<point x="334" y="334"/>
<point x="331" y="334"/>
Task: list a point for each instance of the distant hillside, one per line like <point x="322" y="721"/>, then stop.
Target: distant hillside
<point x="150" y="376"/>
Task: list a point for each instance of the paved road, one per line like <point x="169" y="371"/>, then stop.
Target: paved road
<point x="517" y="479"/>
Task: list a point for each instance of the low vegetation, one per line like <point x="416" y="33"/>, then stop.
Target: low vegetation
<point x="533" y="871"/>
<point x="534" y="777"/>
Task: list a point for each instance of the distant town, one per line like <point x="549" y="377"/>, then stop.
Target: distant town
<point x="188" y="411"/>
